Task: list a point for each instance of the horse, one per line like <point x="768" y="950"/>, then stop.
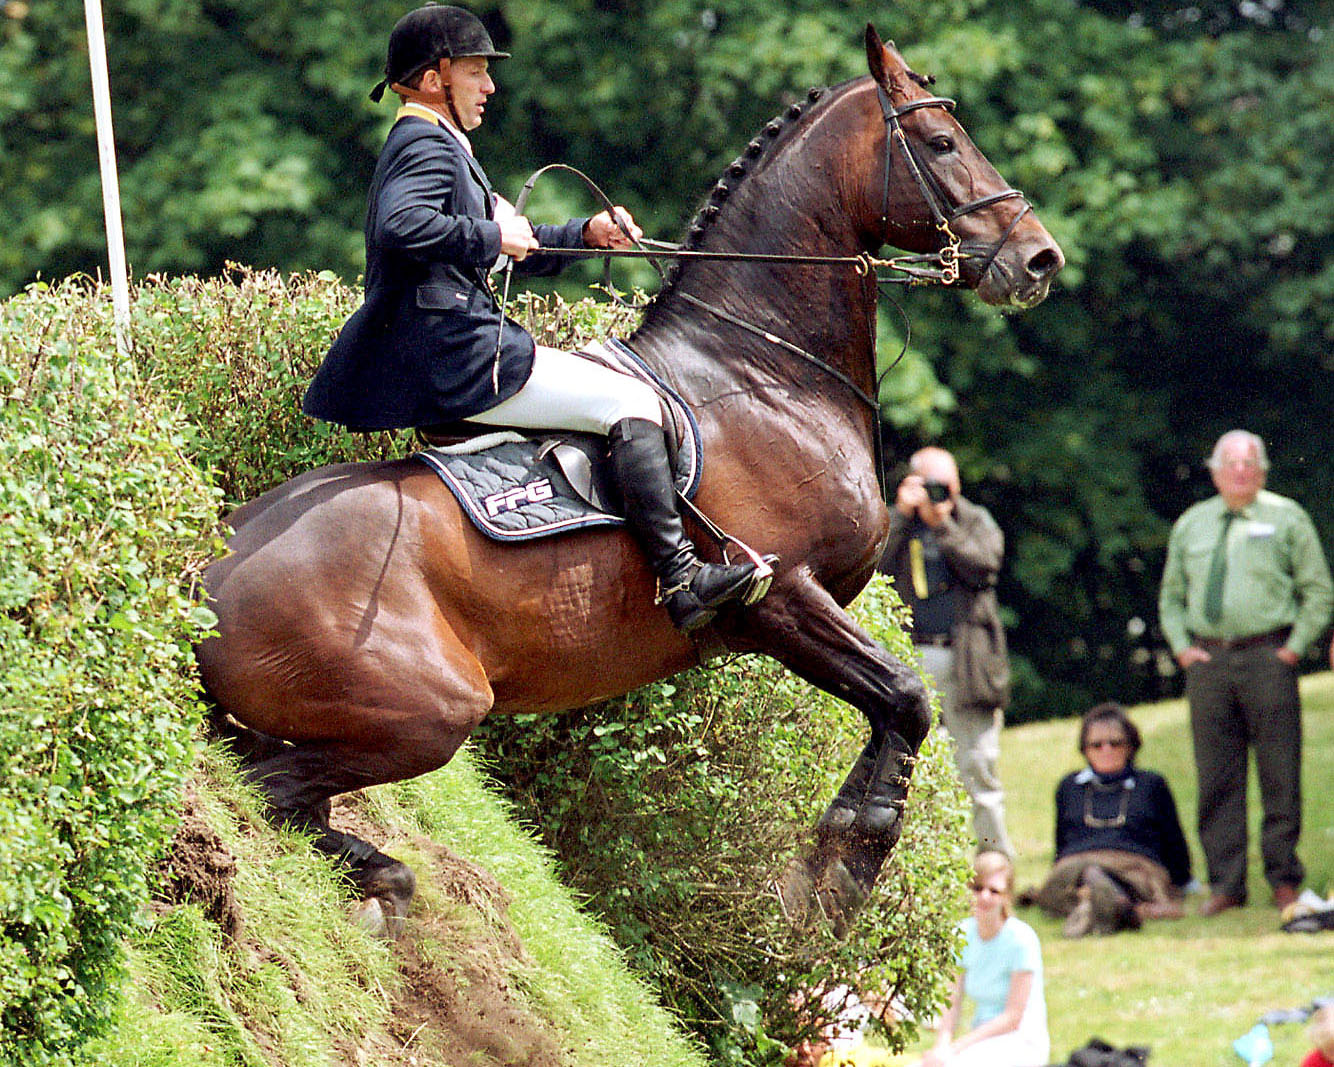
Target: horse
<point x="365" y="627"/>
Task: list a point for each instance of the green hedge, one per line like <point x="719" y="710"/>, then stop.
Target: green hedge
<point x="670" y="808"/>
<point x="100" y="515"/>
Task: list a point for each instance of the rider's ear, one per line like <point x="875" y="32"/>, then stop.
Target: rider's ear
<point x="434" y="79"/>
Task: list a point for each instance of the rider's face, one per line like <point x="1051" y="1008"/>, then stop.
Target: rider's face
<point x="469" y="82"/>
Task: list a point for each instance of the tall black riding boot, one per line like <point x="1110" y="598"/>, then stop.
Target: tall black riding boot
<point x="692" y="589"/>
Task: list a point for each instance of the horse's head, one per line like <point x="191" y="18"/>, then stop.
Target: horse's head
<point x="937" y="185"/>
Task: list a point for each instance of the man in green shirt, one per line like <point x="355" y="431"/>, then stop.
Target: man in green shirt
<point x="1245" y="590"/>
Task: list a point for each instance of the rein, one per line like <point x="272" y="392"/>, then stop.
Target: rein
<point x="941" y="266"/>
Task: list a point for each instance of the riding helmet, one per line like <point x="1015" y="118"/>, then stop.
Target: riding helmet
<point x="430" y="34"/>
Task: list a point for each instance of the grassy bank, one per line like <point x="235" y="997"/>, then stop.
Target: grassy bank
<point x="499" y="964"/>
<point x="1185" y="988"/>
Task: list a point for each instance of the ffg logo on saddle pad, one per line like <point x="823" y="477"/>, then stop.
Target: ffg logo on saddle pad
<point x="532" y="493"/>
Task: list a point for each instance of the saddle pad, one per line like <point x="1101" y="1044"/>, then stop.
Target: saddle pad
<point x="516" y="487"/>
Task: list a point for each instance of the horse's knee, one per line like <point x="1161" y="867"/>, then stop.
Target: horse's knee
<point x="913" y="719"/>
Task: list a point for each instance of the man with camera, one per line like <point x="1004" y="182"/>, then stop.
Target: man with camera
<point x="944" y="554"/>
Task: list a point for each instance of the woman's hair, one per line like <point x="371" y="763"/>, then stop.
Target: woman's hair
<point x="1111" y="712"/>
<point x="989" y="862"/>
<point x="1322" y="1029"/>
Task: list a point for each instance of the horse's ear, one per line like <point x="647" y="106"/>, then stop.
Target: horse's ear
<point x="875" y="54"/>
<point x="883" y="59"/>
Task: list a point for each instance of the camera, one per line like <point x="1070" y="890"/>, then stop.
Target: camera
<point x="937" y="492"/>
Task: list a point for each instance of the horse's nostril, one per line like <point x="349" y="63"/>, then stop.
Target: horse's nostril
<point x="1046" y="262"/>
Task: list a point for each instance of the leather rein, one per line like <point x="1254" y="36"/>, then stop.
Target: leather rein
<point x="940" y="267"/>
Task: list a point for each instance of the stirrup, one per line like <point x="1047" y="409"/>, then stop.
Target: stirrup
<point x="757" y="582"/>
<point x="763" y="576"/>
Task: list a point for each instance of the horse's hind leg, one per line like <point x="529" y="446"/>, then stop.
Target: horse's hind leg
<point x="298" y="784"/>
<point x="412" y="715"/>
<point x="802" y="626"/>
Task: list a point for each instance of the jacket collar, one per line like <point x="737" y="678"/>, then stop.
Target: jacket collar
<point x="421" y="111"/>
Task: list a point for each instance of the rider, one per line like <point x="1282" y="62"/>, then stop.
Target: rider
<point x="428" y="345"/>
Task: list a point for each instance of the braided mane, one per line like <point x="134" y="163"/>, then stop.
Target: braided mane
<point x="755" y="152"/>
<point x="740" y="167"/>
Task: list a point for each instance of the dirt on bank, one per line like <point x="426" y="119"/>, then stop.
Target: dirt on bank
<point x="455" y="1003"/>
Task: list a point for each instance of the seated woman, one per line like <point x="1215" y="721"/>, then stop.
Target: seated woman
<point x="1121" y="857"/>
<point x="1002" y="974"/>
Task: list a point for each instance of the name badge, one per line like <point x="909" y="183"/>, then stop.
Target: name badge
<point x="1262" y="529"/>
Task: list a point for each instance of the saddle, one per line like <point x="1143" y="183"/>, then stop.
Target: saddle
<point x="521" y="485"/>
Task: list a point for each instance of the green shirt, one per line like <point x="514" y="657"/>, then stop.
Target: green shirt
<point x="1276" y="574"/>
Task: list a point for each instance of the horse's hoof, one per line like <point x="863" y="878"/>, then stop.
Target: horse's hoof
<point x="369" y="916"/>
<point x="840" y="896"/>
<point x="394" y="885"/>
<point x="795" y="888"/>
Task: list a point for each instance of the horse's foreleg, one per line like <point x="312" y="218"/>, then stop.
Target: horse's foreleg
<point x="804" y="628"/>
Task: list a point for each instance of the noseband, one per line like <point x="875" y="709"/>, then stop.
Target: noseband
<point x="932" y="193"/>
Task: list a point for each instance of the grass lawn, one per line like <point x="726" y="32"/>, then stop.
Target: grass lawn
<point x="1186" y="988"/>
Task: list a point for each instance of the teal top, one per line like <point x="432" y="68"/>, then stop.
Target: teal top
<point x="1276" y="574"/>
<point x="989" y="967"/>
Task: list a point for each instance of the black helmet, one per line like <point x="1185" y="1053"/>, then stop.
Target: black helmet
<point x="429" y="34"/>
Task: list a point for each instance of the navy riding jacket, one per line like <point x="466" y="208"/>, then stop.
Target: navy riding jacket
<point x="421" y="350"/>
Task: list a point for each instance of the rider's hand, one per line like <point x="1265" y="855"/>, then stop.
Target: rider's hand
<point x="601" y="230"/>
<point x="516" y="237"/>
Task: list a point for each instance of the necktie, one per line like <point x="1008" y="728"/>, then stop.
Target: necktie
<point x="1213" y="589"/>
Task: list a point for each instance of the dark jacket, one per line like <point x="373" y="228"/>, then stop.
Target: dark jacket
<point x="1141" y="819"/>
<point x="973" y="546"/>
<point x="421" y="350"/>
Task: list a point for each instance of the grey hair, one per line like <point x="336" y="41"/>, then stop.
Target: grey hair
<point x="1254" y="440"/>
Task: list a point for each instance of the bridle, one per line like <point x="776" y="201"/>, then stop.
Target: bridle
<point x="941" y="266"/>
<point x="935" y="198"/>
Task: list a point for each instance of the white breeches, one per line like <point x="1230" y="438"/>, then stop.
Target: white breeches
<point x="567" y="392"/>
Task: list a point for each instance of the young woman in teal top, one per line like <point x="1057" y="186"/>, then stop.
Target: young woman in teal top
<point x="1001" y="973"/>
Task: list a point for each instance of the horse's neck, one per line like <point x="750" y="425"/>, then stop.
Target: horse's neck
<point x="794" y="204"/>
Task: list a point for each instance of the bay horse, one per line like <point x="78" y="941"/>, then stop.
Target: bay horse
<point x="365" y="627"/>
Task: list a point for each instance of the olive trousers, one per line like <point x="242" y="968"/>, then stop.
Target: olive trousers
<point x="1244" y="699"/>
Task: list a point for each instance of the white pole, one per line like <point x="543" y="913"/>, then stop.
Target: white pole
<point x="106" y="154"/>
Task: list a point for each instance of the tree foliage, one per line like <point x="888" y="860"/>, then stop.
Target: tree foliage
<point x="1181" y="153"/>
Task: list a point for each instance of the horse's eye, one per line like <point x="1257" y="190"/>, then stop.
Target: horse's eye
<point x="941" y="144"/>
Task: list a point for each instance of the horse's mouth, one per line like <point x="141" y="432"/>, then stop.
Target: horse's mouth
<point x="1020" y="289"/>
<point x="1035" y="296"/>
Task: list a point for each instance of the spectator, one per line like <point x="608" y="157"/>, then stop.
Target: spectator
<point x="944" y="554"/>
<point x="1121" y="856"/>
<point x="1245" y="590"/>
<point x="1002" y="974"/>
<point x="843" y="1016"/>
<point x="1322" y="1037"/>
